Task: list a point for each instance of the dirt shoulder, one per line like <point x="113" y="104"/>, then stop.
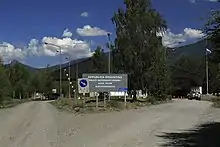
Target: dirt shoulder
<point x="41" y="124"/>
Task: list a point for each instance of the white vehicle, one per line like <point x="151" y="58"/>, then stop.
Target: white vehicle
<point x="194" y="95"/>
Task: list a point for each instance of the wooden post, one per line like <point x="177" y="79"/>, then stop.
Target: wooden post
<point x="125" y="100"/>
<point x="97" y="101"/>
<point x="104" y="101"/>
<point x="84" y="100"/>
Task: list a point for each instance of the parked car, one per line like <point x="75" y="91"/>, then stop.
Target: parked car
<point x="194" y="95"/>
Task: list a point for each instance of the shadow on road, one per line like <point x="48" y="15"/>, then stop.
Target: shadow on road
<point x="206" y="135"/>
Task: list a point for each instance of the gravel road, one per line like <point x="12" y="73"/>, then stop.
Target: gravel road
<point x="39" y="124"/>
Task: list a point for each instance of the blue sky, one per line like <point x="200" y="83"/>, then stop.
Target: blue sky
<point x="25" y="24"/>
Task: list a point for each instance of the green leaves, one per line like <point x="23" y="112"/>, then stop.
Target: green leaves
<point x="138" y="51"/>
<point x="212" y="28"/>
<point x="24" y="84"/>
<point x="99" y="61"/>
<point x="5" y="86"/>
<point x="19" y="78"/>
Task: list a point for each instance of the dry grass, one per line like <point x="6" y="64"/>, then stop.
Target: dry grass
<point x="116" y="104"/>
<point x="216" y="102"/>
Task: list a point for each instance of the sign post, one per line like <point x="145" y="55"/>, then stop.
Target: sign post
<point x="125" y="90"/>
<point x="125" y="100"/>
<point x="83" y="84"/>
<point x="107" y="83"/>
<point x="97" y="100"/>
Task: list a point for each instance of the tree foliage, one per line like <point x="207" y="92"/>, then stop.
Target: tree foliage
<point x="138" y="49"/>
<point x="5" y="86"/>
<point x="99" y="61"/>
<point x="19" y="79"/>
<point x="17" y="82"/>
<point x="212" y="28"/>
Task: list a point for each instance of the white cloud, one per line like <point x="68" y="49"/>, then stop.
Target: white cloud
<point x="84" y="14"/>
<point x="213" y="0"/>
<point x="194" y="1"/>
<point x="171" y="39"/>
<point x="73" y="47"/>
<point x="67" y="33"/>
<point x="80" y="48"/>
<point x="8" y="52"/>
<point x="87" y="30"/>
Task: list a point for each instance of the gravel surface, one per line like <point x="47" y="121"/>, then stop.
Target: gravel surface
<point x="39" y="124"/>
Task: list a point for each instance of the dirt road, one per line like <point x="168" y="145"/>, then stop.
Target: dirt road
<point x="39" y="124"/>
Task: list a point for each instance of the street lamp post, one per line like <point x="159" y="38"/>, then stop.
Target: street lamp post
<point x="207" y="68"/>
<point x="76" y="76"/>
<point x="60" y="64"/>
<point x="109" y="61"/>
<point x="69" y="63"/>
<point x="109" y="53"/>
<point x="76" y="91"/>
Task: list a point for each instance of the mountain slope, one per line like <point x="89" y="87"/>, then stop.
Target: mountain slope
<point x="28" y="68"/>
<point x="197" y="49"/>
<point x="85" y="64"/>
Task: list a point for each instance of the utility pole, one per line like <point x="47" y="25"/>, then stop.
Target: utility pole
<point x="76" y="91"/>
<point x="109" y="62"/>
<point x="60" y="74"/>
<point x="109" y="53"/>
<point x="69" y="80"/>
<point x="60" y="51"/>
<point x="207" y="68"/>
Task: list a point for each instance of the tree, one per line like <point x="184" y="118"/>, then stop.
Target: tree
<point x="159" y="77"/>
<point x="99" y="61"/>
<point x="138" y="49"/>
<point x="5" y="86"/>
<point x="46" y="81"/>
<point x="212" y="28"/>
<point x="214" y="80"/>
<point x="19" y="78"/>
<point x="35" y="83"/>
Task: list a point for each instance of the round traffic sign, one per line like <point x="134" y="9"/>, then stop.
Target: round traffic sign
<point x="83" y="83"/>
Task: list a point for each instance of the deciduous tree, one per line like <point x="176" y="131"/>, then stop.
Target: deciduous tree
<point x="138" y="49"/>
<point x="99" y="61"/>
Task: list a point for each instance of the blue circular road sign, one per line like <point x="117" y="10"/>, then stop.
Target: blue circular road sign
<point x="83" y="83"/>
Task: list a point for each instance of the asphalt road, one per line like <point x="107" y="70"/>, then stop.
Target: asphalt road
<point x="39" y="124"/>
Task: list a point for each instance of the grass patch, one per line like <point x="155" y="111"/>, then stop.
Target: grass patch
<point x="12" y="103"/>
<point x="116" y="104"/>
<point x="216" y="102"/>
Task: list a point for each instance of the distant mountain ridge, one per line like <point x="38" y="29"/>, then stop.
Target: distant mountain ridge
<point x="197" y="49"/>
<point x="29" y="68"/>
